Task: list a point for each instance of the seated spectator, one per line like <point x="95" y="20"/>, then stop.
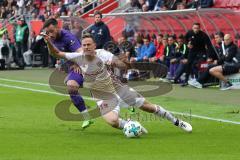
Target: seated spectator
<point x="145" y="8"/>
<point x="231" y="62"/>
<point x="172" y="4"/>
<point x="224" y="65"/>
<point x="151" y="4"/>
<point x="147" y="51"/>
<point x="159" y="56"/>
<point x="181" y="6"/>
<point x="27" y="56"/>
<point x="170" y="50"/>
<point x="126" y="47"/>
<point x="182" y="50"/>
<point x="135" y="4"/>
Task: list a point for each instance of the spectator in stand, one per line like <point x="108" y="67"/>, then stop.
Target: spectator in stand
<point x="76" y="29"/>
<point x="3" y="13"/>
<point x="35" y="9"/>
<point x="135" y="4"/>
<point x="182" y="52"/>
<point x="159" y="56"/>
<point x="62" y="9"/>
<point x="100" y="31"/>
<point x="147" y="51"/>
<point x="27" y="55"/>
<point x="145" y="8"/>
<point x="21" y="39"/>
<point x="159" y="5"/>
<point x="151" y="4"/>
<point x="170" y="57"/>
<point x="200" y="4"/>
<point x="128" y="50"/>
<point x="181" y="6"/>
<point x="172" y="4"/>
<point x="20" y="4"/>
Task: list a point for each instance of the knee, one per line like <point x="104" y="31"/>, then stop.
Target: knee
<point x="212" y="71"/>
<point x="72" y="87"/>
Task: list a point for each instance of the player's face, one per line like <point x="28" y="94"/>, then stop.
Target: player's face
<point x="52" y="31"/>
<point x="97" y="18"/>
<point x="196" y="28"/>
<point x="89" y="46"/>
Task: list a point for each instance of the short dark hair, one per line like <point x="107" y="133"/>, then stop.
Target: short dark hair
<point x="98" y="13"/>
<point x="51" y="21"/>
<point x="196" y="23"/>
<point x="220" y="34"/>
<point x="88" y="35"/>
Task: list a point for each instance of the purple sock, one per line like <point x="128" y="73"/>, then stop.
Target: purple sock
<point x="78" y="101"/>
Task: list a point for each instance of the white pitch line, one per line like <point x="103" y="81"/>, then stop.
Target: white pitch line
<point x="26" y="82"/>
<point x="88" y="98"/>
<point x="38" y="90"/>
<point x="204" y="117"/>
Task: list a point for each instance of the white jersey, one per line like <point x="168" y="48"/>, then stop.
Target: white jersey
<point x="104" y="87"/>
<point x="95" y="72"/>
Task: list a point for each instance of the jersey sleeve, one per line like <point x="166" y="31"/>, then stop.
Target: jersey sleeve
<point x="105" y="55"/>
<point x="75" y="57"/>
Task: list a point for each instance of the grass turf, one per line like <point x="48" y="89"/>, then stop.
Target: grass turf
<point x="30" y="130"/>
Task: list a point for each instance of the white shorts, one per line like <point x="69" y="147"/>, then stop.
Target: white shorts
<point x="123" y="97"/>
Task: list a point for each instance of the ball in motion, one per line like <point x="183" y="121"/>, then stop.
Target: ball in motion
<point x="132" y="129"/>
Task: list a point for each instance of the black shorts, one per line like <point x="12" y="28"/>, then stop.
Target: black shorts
<point x="230" y="69"/>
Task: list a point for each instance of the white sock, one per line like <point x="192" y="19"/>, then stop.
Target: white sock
<point x="160" y="111"/>
<point x="86" y="115"/>
<point x="122" y="123"/>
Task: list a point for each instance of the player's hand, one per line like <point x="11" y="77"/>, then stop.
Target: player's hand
<point x="76" y="68"/>
<point x="45" y="36"/>
<point x="184" y="61"/>
<point x="174" y="60"/>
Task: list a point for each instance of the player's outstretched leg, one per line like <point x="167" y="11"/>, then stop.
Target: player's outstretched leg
<point x="78" y="101"/>
<point x="160" y="111"/>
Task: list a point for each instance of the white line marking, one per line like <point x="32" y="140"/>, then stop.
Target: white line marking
<point x="26" y="82"/>
<point x="89" y="98"/>
<point x="204" y="117"/>
<point x="40" y="91"/>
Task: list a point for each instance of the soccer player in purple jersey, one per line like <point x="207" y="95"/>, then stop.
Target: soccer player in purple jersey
<point x="65" y="41"/>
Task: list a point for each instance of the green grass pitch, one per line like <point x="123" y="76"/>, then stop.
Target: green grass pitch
<point x="30" y="130"/>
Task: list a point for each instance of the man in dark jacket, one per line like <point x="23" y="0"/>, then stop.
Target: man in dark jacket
<point x="213" y="60"/>
<point x="100" y="31"/>
<point x="201" y="45"/>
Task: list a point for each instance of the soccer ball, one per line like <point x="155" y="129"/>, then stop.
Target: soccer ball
<point x="132" y="129"/>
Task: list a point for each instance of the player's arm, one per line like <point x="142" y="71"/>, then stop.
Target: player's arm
<point x="52" y="49"/>
<point x="121" y="62"/>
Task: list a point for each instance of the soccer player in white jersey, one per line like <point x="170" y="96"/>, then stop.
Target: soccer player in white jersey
<point x="109" y="92"/>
